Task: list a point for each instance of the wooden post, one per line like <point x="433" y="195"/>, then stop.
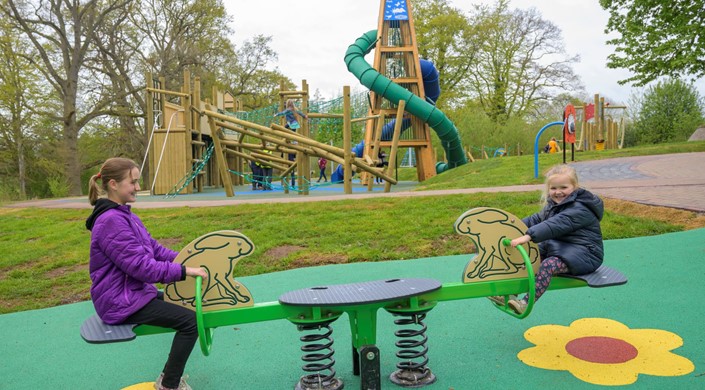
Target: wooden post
<point x="197" y="148"/>
<point x="147" y="181"/>
<point x="395" y="144"/>
<point x="188" y="122"/>
<point x="305" y="162"/>
<point x="377" y="137"/>
<point x="598" y="121"/>
<point x="220" y="156"/>
<point x="347" y="143"/>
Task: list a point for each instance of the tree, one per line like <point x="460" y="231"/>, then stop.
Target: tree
<point x="62" y="33"/>
<point x="670" y="111"/>
<point x="117" y="40"/>
<point x="158" y="36"/>
<point x="184" y="34"/>
<point x="248" y="78"/>
<point x="446" y="37"/>
<point x="18" y="84"/>
<point x="658" y="38"/>
<point x="521" y="62"/>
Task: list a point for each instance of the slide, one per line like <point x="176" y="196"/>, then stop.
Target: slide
<point x="436" y="119"/>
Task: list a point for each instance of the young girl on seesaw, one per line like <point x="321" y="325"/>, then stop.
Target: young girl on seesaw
<point x="125" y="261"/>
<point x="567" y="231"/>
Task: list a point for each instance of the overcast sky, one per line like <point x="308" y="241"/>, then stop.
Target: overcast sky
<point x="311" y="37"/>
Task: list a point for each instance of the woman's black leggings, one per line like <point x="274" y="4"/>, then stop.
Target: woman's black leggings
<point x="168" y="315"/>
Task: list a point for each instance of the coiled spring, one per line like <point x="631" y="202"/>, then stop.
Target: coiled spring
<point x="412" y="370"/>
<point x="318" y="355"/>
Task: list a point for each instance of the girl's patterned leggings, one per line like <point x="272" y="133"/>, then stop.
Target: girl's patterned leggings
<point x="549" y="267"/>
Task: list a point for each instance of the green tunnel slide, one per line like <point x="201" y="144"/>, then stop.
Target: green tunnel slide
<point x="376" y="82"/>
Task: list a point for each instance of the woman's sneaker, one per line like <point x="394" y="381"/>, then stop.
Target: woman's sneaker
<point x="182" y="383"/>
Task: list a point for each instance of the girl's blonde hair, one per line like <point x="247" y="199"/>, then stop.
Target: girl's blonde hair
<point x="290" y="105"/>
<point x="116" y="168"/>
<point x="562" y="169"/>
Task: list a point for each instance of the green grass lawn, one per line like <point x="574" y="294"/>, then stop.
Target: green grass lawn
<point x="45" y="251"/>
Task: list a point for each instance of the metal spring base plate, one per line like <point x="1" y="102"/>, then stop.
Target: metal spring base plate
<point x="333" y="384"/>
<point x="412" y="378"/>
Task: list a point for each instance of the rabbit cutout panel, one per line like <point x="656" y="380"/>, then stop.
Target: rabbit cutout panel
<point x="218" y="252"/>
<point x="487" y="227"/>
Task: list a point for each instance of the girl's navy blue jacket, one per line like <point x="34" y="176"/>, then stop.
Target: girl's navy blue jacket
<point x="570" y="231"/>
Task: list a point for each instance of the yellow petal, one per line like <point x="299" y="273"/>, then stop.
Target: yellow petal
<point x="653" y="346"/>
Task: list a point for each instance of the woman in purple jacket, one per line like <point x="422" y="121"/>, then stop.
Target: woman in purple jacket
<point x="125" y="261"/>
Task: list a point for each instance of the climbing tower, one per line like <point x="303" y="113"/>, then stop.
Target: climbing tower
<point x="397" y="57"/>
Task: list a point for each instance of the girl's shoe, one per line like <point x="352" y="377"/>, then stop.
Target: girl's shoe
<point x="518" y="305"/>
<point x="499" y="299"/>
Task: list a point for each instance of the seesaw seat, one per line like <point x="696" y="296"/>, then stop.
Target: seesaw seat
<point x="602" y="277"/>
<point x="95" y="331"/>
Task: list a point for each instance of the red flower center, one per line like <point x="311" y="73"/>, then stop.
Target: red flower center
<point x="604" y="350"/>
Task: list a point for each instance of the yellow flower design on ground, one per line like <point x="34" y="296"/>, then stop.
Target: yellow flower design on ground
<point x="605" y="352"/>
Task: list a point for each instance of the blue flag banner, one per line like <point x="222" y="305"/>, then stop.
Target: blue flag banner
<point x="396" y="10"/>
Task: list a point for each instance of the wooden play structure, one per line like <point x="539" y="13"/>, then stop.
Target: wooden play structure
<point x="397" y="57"/>
<point x="185" y="135"/>
<point x="597" y="126"/>
<point x="195" y="143"/>
<point x="221" y="301"/>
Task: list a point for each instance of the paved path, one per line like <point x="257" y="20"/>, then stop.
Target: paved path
<point x="670" y="180"/>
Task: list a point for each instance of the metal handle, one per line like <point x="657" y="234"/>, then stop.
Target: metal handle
<point x="205" y="335"/>
<point x="532" y="283"/>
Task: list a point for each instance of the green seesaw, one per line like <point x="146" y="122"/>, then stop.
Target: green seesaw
<point x="497" y="269"/>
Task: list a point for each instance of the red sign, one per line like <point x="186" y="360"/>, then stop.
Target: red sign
<point x="589" y="111"/>
<point x="569" y="124"/>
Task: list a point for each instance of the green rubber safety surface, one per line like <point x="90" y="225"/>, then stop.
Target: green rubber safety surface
<point x="470" y="343"/>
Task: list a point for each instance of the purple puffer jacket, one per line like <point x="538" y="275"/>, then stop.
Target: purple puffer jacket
<point x="125" y="262"/>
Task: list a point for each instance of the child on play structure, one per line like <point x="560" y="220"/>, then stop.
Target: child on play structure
<point x="290" y="112"/>
<point x="125" y="261"/>
<point x="567" y="231"/>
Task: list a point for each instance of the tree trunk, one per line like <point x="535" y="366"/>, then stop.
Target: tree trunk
<point x="21" y="168"/>
<point x="72" y="164"/>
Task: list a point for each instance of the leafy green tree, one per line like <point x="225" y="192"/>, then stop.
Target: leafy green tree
<point x="62" y="33"/>
<point x="657" y="38"/>
<point x="122" y="75"/>
<point x="180" y="34"/>
<point x="248" y="77"/>
<point x="164" y="37"/>
<point x="19" y="86"/>
<point x="670" y="111"/>
<point x="522" y="61"/>
<point x="446" y="37"/>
